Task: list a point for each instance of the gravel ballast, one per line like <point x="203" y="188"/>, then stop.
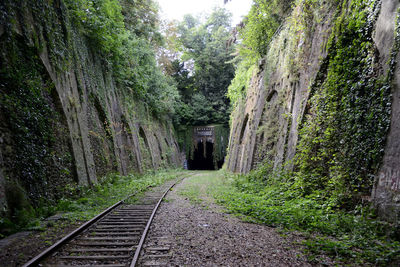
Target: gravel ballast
<point x="195" y="234"/>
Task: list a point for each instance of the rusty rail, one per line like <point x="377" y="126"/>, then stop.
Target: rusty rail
<point x="35" y="261"/>
<point x="120" y="218"/>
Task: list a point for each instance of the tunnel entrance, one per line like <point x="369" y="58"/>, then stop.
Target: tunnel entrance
<point x="205" y="147"/>
<point x="202" y="157"/>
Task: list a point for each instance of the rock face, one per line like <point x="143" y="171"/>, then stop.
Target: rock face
<point x="267" y="124"/>
<point x="386" y="191"/>
<point x="63" y="119"/>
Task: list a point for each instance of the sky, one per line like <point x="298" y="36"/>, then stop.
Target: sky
<point x="175" y="9"/>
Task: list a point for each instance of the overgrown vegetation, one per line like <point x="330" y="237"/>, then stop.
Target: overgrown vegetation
<point x="126" y="33"/>
<point x="29" y="128"/>
<point x="255" y="34"/>
<point x="199" y="61"/>
<point x="83" y="203"/>
<point x="343" y="132"/>
<point x="238" y="87"/>
<point x="341" y="140"/>
<point x="221" y="135"/>
<point x="260" y="25"/>
<point x="102" y="41"/>
<point x="343" y="136"/>
<point x="204" y="71"/>
<point x="272" y="198"/>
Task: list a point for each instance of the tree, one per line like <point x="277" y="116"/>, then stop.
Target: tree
<point x="204" y="86"/>
<point x="141" y="18"/>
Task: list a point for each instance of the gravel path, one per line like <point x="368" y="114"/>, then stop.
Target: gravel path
<point x="186" y="234"/>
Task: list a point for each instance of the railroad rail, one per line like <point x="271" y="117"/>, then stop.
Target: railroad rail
<point x="113" y="238"/>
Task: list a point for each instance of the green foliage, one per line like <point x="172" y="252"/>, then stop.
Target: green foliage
<point x="36" y="140"/>
<point x="272" y="198"/>
<point x="83" y="203"/>
<point x="260" y="26"/>
<point x="30" y="125"/>
<point x="141" y="78"/>
<point x="203" y="85"/>
<point x="126" y="33"/>
<point x="28" y="116"/>
<point x="343" y="135"/>
<point x="184" y="80"/>
<point x="141" y="18"/>
<point x="341" y="144"/>
<point x="101" y="20"/>
<point x="255" y="34"/>
<point x="238" y="88"/>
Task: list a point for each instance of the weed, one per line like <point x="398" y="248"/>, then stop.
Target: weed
<point x="192" y="193"/>
<point x="354" y="236"/>
<point x="112" y="189"/>
<point x="87" y="202"/>
<point x="273" y="199"/>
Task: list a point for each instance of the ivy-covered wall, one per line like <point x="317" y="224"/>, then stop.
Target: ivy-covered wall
<point x="321" y="103"/>
<point x="64" y="120"/>
<point x="188" y="141"/>
<point x="386" y="191"/>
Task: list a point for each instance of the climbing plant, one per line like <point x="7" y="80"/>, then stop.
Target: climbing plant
<point x="260" y="25"/>
<point x="35" y="156"/>
<point x="343" y="135"/>
<point x="126" y="34"/>
<point x="238" y="87"/>
<point x="253" y="36"/>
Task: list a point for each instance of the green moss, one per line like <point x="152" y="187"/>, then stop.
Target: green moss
<point x="25" y="91"/>
<point x="221" y="134"/>
<point x="343" y="137"/>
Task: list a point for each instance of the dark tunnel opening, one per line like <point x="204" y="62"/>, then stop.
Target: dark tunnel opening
<point x="201" y="160"/>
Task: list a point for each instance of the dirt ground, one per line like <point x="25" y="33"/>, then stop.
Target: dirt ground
<point x="19" y="248"/>
<point x="187" y="231"/>
<point x="199" y="233"/>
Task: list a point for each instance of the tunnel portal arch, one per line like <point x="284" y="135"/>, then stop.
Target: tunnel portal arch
<point x="208" y="148"/>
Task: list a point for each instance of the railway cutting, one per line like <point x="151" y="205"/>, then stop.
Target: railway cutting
<point x="113" y="238"/>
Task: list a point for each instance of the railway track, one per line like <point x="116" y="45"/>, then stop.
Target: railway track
<point x="113" y="238"/>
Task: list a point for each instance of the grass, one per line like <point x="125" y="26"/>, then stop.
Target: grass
<point x="348" y="237"/>
<point x="111" y="190"/>
<point x="200" y="188"/>
<point x="83" y="203"/>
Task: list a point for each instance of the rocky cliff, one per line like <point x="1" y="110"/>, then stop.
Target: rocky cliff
<point x="64" y="120"/>
<point x="324" y="101"/>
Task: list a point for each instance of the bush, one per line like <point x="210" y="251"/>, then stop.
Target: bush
<point x="274" y="199"/>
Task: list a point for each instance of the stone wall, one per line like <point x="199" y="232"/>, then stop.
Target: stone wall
<point x="91" y="127"/>
<point x="386" y="193"/>
<point x="265" y="125"/>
